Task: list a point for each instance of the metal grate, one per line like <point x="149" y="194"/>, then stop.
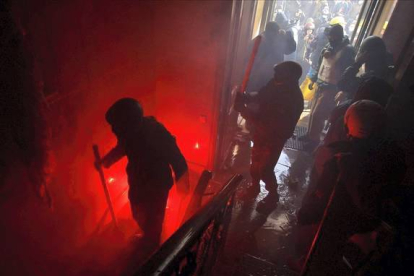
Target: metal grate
<point x="293" y="142"/>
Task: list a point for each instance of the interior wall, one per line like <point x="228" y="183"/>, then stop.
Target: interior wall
<point x="89" y="54"/>
<point x="191" y="40"/>
<point x="399" y="28"/>
<point x="168" y="54"/>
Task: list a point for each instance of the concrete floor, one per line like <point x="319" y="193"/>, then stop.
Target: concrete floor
<point x="260" y="244"/>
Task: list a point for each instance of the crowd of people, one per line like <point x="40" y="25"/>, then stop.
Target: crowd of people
<point x="355" y="189"/>
<point x="358" y="168"/>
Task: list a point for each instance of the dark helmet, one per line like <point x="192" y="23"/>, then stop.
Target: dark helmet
<point x="373" y="44"/>
<point x="336" y="30"/>
<point x="123" y="111"/>
<point x="281" y="19"/>
<point x="272" y="27"/>
<point x="288" y="70"/>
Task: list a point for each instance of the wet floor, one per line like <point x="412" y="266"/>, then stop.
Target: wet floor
<point x="257" y="243"/>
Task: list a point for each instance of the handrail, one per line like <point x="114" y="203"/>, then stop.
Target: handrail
<point x="170" y="255"/>
<point x="197" y="197"/>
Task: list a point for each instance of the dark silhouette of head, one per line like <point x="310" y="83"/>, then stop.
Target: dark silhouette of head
<point x="281" y="19"/>
<point x="373" y="44"/>
<point x="374" y="89"/>
<point x="124" y="115"/>
<point x="272" y="28"/>
<point x="376" y="51"/>
<point x="335" y="34"/>
<point x="287" y="72"/>
<point x="364" y="120"/>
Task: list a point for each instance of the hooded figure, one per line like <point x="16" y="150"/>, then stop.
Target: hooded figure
<point x="280" y="106"/>
<point x="377" y="63"/>
<point x="274" y="45"/>
<point x="152" y="152"/>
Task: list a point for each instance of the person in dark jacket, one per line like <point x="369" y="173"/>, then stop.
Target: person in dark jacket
<point x="373" y="89"/>
<point x="359" y="182"/>
<point x="335" y="58"/>
<point x="274" y="45"/>
<point x="377" y="63"/>
<point x="151" y="151"/>
<point x="280" y="106"/>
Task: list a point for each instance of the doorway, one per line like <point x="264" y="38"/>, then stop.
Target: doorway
<point x="306" y="19"/>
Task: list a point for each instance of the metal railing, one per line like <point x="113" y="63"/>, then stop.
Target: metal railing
<point x="197" y="198"/>
<point x="193" y="248"/>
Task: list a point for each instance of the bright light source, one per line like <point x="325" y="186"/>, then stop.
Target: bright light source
<point x="197" y="145"/>
<point x="111" y="180"/>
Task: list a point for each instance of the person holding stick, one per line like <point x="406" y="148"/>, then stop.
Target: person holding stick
<point x="151" y="151"/>
<point x="275" y="43"/>
<point x="280" y="106"/>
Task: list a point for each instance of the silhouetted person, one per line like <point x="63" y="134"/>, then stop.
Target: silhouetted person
<point x="335" y="58"/>
<point x="314" y="49"/>
<point x="366" y="169"/>
<point x="373" y="89"/>
<point x="152" y="152"/>
<point x="274" y="45"/>
<point x="280" y="106"/>
<point x="377" y="63"/>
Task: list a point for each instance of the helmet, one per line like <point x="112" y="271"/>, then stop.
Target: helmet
<point x="309" y="26"/>
<point x="272" y="27"/>
<point x="364" y="119"/>
<point x="288" y="70"/>
<point x="373" y="44"/>
<point x="338" y="20"/>
<point x="335" y="30"/>
<point x="124" y="111"/>
<point x="281" y="19"/>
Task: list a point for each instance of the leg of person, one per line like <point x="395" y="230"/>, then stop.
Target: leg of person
<point x="270" y="157"/>
<point x="269" y="163"/>
<point x="323" y="106"/>
<point x="253" y="190"/>
<point x="149" y="214"/>
<point x="312" y="110"/>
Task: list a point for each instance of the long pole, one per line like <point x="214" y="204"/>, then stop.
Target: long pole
<point x="105" y="187"/>
<point x="250" y="64"/>
<point x="317" y="239"/>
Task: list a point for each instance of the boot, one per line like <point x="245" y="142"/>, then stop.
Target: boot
<point x="268" y="204"/>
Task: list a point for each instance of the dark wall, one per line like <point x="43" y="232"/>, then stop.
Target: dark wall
<point x="399" y="28"/>
<point x="168" y="54"/>
<point x="191" y="42"/>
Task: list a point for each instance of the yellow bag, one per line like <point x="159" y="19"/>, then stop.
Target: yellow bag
<point x="307" y="93"/>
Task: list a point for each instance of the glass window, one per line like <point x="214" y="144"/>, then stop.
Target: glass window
<point x="385" y="17"/>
